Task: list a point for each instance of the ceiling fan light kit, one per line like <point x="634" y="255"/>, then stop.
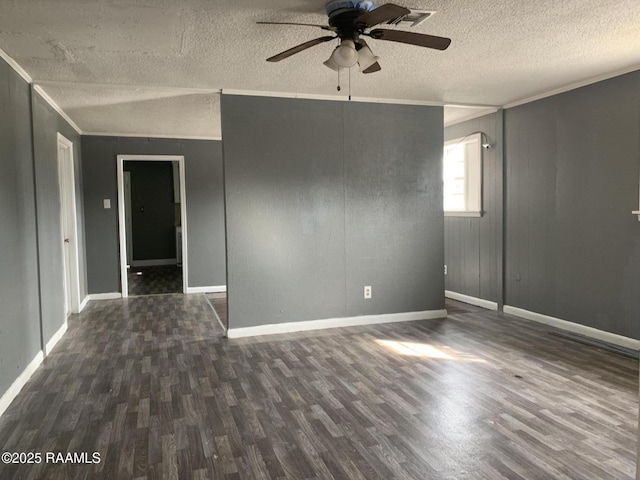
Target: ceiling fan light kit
<point x="366" y="58"/>
<point x="345" y="56"/>
<point x="350" y="21"/>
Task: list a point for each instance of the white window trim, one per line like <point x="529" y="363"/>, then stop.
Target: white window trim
<point x="476" y="175"/>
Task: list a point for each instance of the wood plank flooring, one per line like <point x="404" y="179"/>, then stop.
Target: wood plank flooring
<point x="149" y="383"/>
<point x="219" y="304"/>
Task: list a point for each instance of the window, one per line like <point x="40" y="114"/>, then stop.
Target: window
<point x="462" y="172"/>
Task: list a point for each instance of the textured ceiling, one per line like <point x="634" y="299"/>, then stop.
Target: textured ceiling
<point x="154" y="67"/>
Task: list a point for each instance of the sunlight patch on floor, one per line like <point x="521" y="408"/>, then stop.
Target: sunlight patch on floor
<point x="425" y="350"/>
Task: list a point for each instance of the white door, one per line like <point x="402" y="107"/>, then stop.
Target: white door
<point x="68" y="226"/>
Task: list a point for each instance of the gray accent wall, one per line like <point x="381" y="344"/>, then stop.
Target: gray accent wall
<point x="46" y="125"/>
<point x="205" y="207"/>
<point x="31" y="258"/>
<point x="19" y="314"/>
<point x="323" y="198"/>
<point x="473" y="245"/>
<point x="572" y="245"/>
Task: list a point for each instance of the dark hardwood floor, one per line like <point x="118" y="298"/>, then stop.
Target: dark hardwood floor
<point x="149" y="383"/>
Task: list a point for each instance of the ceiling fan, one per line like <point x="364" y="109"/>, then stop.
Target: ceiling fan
<point x="350" y="21"/>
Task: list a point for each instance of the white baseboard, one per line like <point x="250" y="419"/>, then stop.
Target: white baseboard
<point x="83" y="304"/>
<point x="218" y="289"/>
<point x="13" y="391"/>
<point x="105" y="296"/>
<point x="575" y="327"/>
<point x="333" y="323"/>
<point x="154" y="263"/>
<point x="478" y="302"/>
<point x="55" y="338"/>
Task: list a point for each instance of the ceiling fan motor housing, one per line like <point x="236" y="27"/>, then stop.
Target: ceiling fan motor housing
<point x="333" y="6"/>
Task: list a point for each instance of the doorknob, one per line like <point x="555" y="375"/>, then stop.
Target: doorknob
<point x="66" y="240"/>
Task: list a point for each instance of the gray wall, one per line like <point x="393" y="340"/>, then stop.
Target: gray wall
<point x="473" y="246"/>
<point x="31" y="281"/>
<point x="572" y="245"/>
<point x="153" y="211"/>
<point x="324" y="198"/>
<point x="19" y="316"/>
<point x="205" y="206"/>
<point x="46" y="124"/>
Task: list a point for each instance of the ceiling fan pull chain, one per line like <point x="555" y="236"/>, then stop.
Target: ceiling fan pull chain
<point x="338" y="79"/>
<point x="349" y="84"/>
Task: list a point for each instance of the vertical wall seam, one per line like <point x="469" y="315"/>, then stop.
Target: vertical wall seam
<point x="344" y="203"/>
<point x="35" y="208"/>
<point x="224" y="203"/>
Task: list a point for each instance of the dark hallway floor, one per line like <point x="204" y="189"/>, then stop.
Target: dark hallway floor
<point x="150" y="384"/>
<point x="154" y="280"/>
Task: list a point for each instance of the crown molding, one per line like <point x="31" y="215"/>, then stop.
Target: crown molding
<point x="144" y="135"/>
<point x="55" y="106"/>
<point x="13" y="64"/>
<point x="471" y="116"/>
<point x="573" y="86"/>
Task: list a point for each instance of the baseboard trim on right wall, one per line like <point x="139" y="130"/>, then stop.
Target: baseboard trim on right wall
<point x="478" y="302"/>
<point x="360" y="320"/>
<point x="591" y="332"/>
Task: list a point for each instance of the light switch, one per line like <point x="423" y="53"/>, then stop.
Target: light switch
<point x="107" y="203"/>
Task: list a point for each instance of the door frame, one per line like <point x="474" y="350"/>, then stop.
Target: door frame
<point x="127" y="215"/>
<point x="122" y="220"/>
<point x="68" y="223"/>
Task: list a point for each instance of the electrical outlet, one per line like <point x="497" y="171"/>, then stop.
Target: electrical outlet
<point x="367" y="292"/>
<point x="445" y="269"/>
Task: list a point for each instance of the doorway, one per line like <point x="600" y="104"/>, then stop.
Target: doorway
<point x="152" y="223"/>
<point x="68" y="227"/>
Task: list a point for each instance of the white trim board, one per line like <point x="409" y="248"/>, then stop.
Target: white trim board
<point x="333" y="98"/>
<point x="128" y="86"/>
<point x="17" y="68"/>
<point x="217" y="289"/>
<point x="572" y="86"/>
<point x="471" y="116"/>
<point x="574" y="327"/>
<point x="154" y="263"/>
<point x="13" y="391"/>
<point x="84" y="303"/>
<point x="105" y="296"/>
<point x="334" y="323"/>
<point x="478" y="302"/>
<point x="55" y="106"/>
<point x="55" y="338"/>
<point x="149" y="135"/>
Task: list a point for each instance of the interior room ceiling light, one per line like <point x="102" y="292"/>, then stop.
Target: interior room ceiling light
<point x="345" y="55"/>
<point x="331" y="63"/>
<point x="350" y="22"/>
<point x="366" y="58"/>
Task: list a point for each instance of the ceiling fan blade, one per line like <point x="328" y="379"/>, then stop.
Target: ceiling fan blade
<point x="419" y="39"/>
<point x="324" y="27"/>
<point x="299" y="48"/>
<point x="373" y="68"/>
<point x="384" y="13"/>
